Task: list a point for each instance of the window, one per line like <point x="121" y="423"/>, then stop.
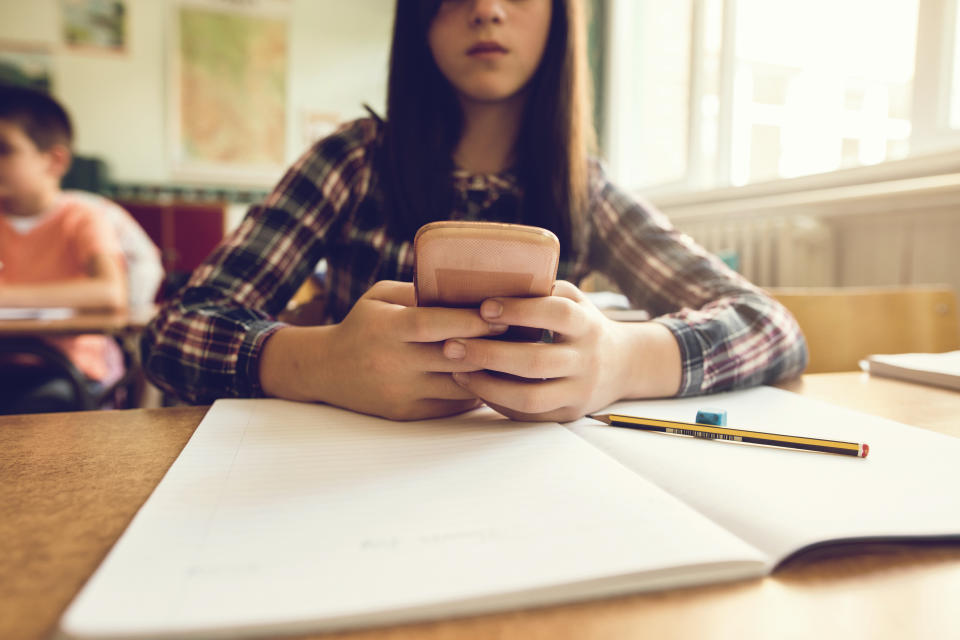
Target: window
<point x="955" y="80"/>
<point x="651" y="112"/>
<point x="714" y="93"/>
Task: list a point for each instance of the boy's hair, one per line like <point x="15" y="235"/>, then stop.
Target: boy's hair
<point x="41" y="117"/>
<point x="424" y="124"/>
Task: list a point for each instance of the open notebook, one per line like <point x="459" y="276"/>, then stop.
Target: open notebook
<point x="282" y="517"/>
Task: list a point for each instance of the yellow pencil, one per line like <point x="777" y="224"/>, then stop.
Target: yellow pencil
<point x="726" y="434"/>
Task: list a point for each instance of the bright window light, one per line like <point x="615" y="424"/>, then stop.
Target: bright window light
<point x="819" y="86"/>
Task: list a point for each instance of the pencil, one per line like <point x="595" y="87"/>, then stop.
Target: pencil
<point x="726" y="434"/>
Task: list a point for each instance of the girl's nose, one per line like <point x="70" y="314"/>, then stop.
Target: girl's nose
<point x="487" y="12"/>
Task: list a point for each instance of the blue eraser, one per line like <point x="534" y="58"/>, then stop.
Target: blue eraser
<point x="715" y="417"/>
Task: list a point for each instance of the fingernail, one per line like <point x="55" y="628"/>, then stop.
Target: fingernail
<point x="454" y="349"/>
<point x="491" y="309"/>
<point x="497" y="328"/>
<point x="460" y="378"/>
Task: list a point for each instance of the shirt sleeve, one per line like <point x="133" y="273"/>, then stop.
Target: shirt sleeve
<point x="92" y="236"/>
<point x="206" y="342"/>
<point x="731" y="333"/>
<point x="141" y="256"/>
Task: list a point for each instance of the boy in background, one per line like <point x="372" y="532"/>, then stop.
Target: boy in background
<point x="55" y="251"/>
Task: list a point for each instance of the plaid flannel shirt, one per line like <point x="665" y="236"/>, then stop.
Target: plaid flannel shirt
<point x="206" y="342"/>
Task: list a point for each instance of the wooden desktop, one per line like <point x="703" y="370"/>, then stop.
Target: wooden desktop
<point x="70" y="483"/>
<point x="113" y="323"/>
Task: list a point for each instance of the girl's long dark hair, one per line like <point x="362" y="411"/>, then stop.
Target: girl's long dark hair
<point x="424" y="124"/>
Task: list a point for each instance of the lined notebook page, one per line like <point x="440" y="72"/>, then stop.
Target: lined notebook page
<point x="782" y="500"/>
<point x="286" y="516"/>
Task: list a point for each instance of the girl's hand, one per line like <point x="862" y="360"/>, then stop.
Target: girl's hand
<point x="592" y="362"/>
<point x="384" y="359"/>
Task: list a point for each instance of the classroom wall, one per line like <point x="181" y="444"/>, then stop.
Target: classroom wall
<point x="338" y="53"/>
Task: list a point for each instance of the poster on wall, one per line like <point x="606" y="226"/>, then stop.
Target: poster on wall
<point x="228" y="90"/>
<point x="94" y="24"/>
<point x="25" y="66"/>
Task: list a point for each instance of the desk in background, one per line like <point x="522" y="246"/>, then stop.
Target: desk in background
<point x="70" y="483"/>
<point x="113" y="323"/>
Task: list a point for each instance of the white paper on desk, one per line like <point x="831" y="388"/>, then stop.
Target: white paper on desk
<point x="284" y="517"/>
<point x="783" y="500"/>
<point x="36" y="313"/>
<point x="940" y="369"/>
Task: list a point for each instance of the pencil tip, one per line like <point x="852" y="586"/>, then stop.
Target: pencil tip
<point x="605" y="417"/>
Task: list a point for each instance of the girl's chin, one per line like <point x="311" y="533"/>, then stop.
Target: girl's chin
<point x="489" y="94"/>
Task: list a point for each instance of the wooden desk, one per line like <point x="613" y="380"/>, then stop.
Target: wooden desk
<point x="116" y="323"/>
<point x="70" y="483"/>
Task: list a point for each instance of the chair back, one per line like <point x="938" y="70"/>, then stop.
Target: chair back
<point x="845" y="324"/>
<point x="83" y="394"/>
<point x="80" y="398"/>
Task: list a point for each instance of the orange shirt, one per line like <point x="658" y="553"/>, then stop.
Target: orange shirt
<point x="59" y="246"/>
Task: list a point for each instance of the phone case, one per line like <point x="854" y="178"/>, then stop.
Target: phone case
<point x="462" y="263"/>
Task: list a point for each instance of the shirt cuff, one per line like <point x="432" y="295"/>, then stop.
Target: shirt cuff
<point x="691" y="355"/>
<point x="248" y="359"/>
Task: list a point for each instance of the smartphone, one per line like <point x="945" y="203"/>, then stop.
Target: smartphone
<point x="462" y="263"/>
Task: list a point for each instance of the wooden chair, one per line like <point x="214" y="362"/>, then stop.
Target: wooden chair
<point x="845" y="324"/>
<point x="306" y="307"/>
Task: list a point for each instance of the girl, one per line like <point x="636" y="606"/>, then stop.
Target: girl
<point x="487" y="118"/>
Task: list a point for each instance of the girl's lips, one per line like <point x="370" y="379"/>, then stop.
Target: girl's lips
<point x="482" y="48"/>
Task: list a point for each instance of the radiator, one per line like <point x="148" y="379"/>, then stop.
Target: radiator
<point x="770" y="251"/>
